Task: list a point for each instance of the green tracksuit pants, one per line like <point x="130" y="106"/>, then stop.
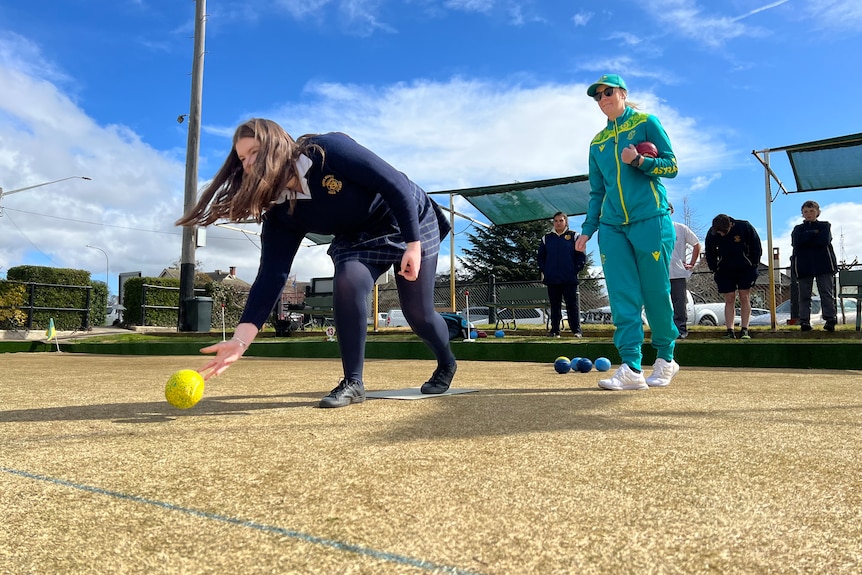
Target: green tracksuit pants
<point x="635" y="259"/>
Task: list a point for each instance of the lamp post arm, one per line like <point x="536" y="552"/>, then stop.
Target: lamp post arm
<point x="107" y="267"/>
<point x="10" y="192"/>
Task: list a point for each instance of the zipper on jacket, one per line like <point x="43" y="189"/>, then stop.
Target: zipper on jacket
<point x="619" y="172"/>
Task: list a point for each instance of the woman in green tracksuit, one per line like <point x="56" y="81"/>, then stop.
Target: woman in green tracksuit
<point x="629" y="208"/>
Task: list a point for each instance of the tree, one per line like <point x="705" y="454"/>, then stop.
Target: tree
<point x="690" y="218"/>
<point x="199" y="265"/>
<point x="507" y="251"/>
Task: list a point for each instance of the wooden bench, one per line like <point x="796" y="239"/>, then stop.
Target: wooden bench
<point x="851" y="288"/>
<point x="512" y="298"/>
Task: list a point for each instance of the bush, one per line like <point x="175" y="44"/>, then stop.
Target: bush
<point x="13" y="296"/>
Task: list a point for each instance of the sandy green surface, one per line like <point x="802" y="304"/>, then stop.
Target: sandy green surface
<point x="725" y="471"/>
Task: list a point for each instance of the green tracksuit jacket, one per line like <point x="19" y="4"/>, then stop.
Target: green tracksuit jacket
<point x="629" y="208"/>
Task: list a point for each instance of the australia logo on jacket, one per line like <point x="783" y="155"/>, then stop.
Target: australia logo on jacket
<point x="567" y="237"/>
<point x="332" y="185"/>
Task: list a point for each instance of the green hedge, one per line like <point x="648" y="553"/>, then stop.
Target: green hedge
<point x="228" y="296"/>
<point x="133" y="293"/>
<point x="67" y="289"/>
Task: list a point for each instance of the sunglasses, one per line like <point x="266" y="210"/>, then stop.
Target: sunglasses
<point x="607" y="92"/>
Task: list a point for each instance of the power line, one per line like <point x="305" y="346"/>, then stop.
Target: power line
<point x="176" y="233"/>
<point x="20" y="231"/>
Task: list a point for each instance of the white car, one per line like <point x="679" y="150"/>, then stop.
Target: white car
<point x="381" y="319"/>
<point x="395" y="318"/>
<point x="114" y="314"/>
<point x="782" y="313"/>
<point x="530" y="316"/>
<point x="698" y="312"/>
<point x="478" y="314"/>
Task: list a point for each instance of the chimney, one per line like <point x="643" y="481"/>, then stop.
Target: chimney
<point x="233" y="271"/>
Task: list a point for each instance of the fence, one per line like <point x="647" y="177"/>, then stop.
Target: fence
<point x="593" y="293"/>
<point x="145" y="306"/>
<point x="38" y="315"/>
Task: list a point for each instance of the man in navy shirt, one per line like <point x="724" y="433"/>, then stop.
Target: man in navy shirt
<point x="560" y="264"/>
<point x="329" y="184"/>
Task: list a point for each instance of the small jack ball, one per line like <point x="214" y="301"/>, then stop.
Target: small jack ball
<point x="499" y="333"/>
<point x="603" y="364"/>
<point x="584" y="365"/>
<point x="562" y="364"/>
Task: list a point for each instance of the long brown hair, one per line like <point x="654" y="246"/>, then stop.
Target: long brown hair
<point x="235" y="194"/>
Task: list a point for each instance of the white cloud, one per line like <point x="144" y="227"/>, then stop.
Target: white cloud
<point x="20" y="54"/>
<point x="702" y="182"/>
<point x="464" y="133"/>
<point x="299" y="9"/>
<point x="582" y="18"/>
<point x="482" y="6"/>
<point x="688" y="19"/>
<point x="834" y="15"/>
<point x="627" y="38"/>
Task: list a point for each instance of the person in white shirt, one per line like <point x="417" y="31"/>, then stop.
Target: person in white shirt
<point x="680" y="271"/>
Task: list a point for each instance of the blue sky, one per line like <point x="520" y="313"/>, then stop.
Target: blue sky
<point x="456" y="93"/>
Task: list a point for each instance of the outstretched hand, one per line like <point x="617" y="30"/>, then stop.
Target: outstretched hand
<point x="226" y="352"/>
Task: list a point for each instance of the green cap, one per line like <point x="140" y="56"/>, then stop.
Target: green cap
<point x="612" y="80"/>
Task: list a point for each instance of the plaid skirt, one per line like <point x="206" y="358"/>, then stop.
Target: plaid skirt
<point x="385" y="245"/>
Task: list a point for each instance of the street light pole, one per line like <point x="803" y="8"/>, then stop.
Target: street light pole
<point x="107" y="266"/>
<point x="10" y="192"/>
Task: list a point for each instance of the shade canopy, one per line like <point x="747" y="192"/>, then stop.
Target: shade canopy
<point x="528" y="201"/>
<point x="826" y="164"/>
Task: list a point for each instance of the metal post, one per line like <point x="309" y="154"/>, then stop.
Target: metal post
<point x="187" y="259"/>
<point x="769" y="238"/>
<point x="452" y="254"/>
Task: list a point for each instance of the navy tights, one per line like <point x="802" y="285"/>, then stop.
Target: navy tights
<point x="353" y="283"/>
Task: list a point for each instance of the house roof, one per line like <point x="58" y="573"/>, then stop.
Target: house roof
<point x="219" y="276"/>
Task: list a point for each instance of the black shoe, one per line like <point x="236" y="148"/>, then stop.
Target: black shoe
<point x="830" y="326"/>
<point x="806" y="327"/>
<point x="344" y="394"/>
<point x="682" y="335"/>
<point x="440" y="380"/>
<point x="554" y="334"/>
<point x="729" y="335"/>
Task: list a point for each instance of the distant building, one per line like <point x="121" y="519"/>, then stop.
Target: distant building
<point x="293" y="293"/>
<point x="218" y="276"/>
<point x="229" y="277"/>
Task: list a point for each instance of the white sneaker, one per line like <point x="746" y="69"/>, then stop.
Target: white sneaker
<point x="662" y="372"/>
<point x="624" y="378"/>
